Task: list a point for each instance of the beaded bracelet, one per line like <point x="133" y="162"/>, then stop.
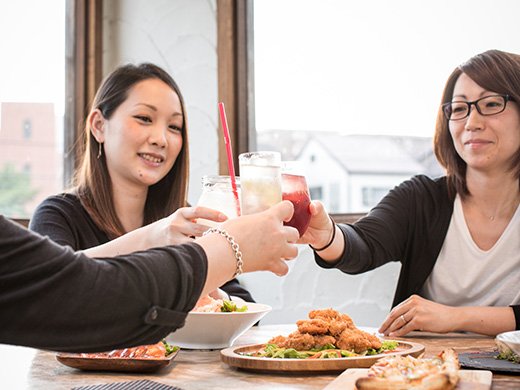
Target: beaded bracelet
<point x="234" y="246"/>
<point x="331" y="240"/>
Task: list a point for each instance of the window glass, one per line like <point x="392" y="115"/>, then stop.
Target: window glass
<point x="32" y="98"/>
<point x="352" y="88"/>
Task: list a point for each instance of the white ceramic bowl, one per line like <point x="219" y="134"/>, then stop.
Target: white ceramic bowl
<point x="216" y="330"/>
<point x="510" y="339"/>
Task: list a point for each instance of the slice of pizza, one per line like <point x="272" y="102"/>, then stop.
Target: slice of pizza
<point x="407" y="372"/>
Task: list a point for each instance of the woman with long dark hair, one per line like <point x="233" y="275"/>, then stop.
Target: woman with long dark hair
<point x="130" y="189"/>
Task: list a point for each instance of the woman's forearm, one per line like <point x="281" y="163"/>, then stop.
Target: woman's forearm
<point x="221" y="261"/>
<point x="133" y="241"/>
<point x="485" y="320"/>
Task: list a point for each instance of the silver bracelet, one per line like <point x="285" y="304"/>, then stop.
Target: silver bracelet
<point x="234" y="246"/>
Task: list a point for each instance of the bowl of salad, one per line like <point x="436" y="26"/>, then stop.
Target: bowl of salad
<point x="218" y="324"/>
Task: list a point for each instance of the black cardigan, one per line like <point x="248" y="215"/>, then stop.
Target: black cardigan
<point x="409" y="225"/>
<point x="54" y="298"/>
<point x="64" y="220"/>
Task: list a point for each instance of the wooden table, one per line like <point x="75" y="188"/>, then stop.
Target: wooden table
<point x="25" y="368"/>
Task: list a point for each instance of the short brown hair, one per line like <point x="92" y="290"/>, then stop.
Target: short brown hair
<point x="92" y="179"/>
<point x="495" y="71"/>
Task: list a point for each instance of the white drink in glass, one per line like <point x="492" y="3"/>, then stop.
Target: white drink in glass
<point x="261" y="181"/>
<point x="217" y="194"/>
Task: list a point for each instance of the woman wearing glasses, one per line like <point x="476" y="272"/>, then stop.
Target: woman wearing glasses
<point x="457" y="237"/>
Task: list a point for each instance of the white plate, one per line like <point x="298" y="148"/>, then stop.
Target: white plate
<point x="216" y="330"/>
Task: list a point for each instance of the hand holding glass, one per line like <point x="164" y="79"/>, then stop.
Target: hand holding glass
<point x="217" y="194"/>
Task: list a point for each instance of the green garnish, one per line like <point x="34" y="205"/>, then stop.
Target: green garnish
<point x="508" y="355"/>
<point x="386" y="345"/>
<point x="328" y="351"/>
<point x="230" y="306"/>
<point x="170" y="348"/>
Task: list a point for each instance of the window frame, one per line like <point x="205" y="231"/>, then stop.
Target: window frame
<point x="235" y="75"/>
<point x="83" y="72"/>
<point x="235" y="52"/>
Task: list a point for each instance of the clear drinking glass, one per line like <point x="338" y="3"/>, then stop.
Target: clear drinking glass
<point x="294" y="189"/>
<point x="261" y="180"/>
<point x="217" y="194"/>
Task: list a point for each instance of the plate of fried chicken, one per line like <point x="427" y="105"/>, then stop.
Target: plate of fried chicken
<point x="326" y="341"/>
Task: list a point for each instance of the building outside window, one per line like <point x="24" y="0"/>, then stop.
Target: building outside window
<point x="27" y="129"/>
<point x="352" y="88"/>
<point x="32" y="98"/>
<point x="372" y="195"/>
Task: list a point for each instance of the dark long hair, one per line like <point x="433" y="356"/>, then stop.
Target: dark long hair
<point x="495" y="71"/>
<point x="92" y="179"/>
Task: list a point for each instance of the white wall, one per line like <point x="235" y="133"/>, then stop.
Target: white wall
<point x="366" y="298"/>
<point x="180" y="35"/>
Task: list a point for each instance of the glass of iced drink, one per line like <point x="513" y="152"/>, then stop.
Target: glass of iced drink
<point x="294" y="189"/>
<point x="260" y="180"/>
<point x="217" y="194"/>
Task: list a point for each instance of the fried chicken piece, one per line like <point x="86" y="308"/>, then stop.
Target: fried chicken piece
<point x="314" y="326"/>
<point x="331" y="315"/>
<point x="325" y="314"/>
<point x="298" y="341"/>
<point x="302" y="341"/>
<point x="357" y="340"/>
<point x="337" y="322"/>
<point x="322" y="340"/>
<point x="278" y="340"/>
<point x="336" y="327"/>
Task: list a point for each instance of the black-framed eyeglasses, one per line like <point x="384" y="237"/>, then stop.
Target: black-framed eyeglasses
<point x="487" y="105"/>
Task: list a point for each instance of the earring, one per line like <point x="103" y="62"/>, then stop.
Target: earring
<point x="100" y="150"/>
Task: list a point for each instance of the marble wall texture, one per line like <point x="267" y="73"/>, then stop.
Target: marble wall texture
<point x="180" y="35"/>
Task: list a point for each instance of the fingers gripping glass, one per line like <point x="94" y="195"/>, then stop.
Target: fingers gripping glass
<point x="487" y="105"/>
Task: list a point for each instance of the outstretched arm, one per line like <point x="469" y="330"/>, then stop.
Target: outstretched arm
<point x="178" y="228"/>
<point x="54" y="298"/>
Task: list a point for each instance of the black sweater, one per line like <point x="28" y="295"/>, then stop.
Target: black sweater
<point x="409" y="225"/>
<point x="54" y="298"/>
<point x="64" y="220"/>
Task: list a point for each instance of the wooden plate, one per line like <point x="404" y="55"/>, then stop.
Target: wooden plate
<point x="232" y="356"/>
<point x="469" y="380"/>
<point x="74" y="360"/>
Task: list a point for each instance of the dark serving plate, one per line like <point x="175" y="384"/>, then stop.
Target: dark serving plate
<point x="488" y="361"/>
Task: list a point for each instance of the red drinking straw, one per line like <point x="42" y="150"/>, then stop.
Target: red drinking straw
<point x="227" y="141"/>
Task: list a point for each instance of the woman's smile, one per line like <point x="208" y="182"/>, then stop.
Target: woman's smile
<point x="152" y="159"/>
<point x="477" y="143"/>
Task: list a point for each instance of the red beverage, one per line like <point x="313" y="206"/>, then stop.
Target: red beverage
<point x="294" y="188"/>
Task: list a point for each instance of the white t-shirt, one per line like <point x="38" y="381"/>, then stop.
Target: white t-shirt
<point x="465" y="275"/>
